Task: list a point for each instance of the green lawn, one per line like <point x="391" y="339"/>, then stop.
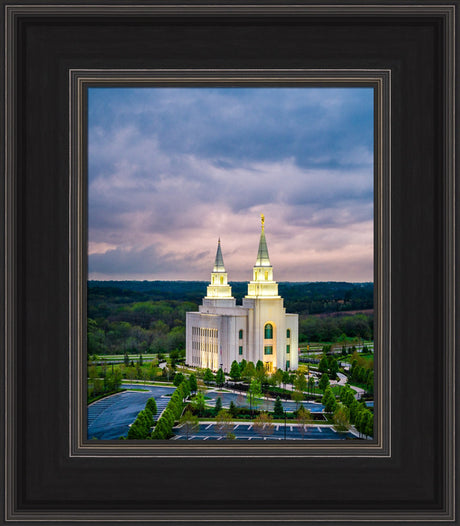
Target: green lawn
<point x="133" y="357"/>
<point x="368" y="357"/>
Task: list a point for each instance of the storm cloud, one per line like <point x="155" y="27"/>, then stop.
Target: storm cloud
<point x="172" y="169"/>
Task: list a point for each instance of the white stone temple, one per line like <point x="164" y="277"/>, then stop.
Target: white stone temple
<point x="259" y="329"/>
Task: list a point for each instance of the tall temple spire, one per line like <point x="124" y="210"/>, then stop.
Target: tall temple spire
<point x="263" y="259"/>
<point x="262" y="283"/>
<point x="219" y="263"/>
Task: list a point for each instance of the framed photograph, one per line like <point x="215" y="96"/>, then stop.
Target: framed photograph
<point x="230" y="262"/>
<point x="244" y="358"/>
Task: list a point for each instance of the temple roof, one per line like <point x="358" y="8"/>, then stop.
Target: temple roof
<point x="219" y="262"/>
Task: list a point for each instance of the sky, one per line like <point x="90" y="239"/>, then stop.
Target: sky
<point x="170" y="170"/>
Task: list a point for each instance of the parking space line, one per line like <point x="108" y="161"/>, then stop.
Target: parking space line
<point x="319" y="429"/>
<point x="237" y="426"/>
<point x="210" y="425"/>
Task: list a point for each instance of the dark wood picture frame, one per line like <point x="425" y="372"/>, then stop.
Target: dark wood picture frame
<point x="408" y="473"/>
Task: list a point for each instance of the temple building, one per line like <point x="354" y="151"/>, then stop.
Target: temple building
<point x="259" y="329"/>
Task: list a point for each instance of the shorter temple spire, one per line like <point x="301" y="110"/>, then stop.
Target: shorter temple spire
<point x="219" y="287"/>
<point x="219" y="262"/>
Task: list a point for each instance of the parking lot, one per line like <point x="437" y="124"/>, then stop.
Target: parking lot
<point x="110" y="418"/>
<point x="246" y="431"/>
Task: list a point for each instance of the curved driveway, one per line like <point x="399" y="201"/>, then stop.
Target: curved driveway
<point x="110" y="418"/>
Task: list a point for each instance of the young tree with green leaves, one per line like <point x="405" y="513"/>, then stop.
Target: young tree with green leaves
<point x="208" y="376"/>
<point x="323" y="382"/>
<point x="254" y="393"/>
<point x="286" y="378"/>
<point x="193" y="383"/>
<point x="333" y="367"/>
<point x="303" y="418"/>
<point x="329" y="400"/>
<point x="126" y="359"/>
<point x="278" y="377"/>
<point x="297" y="396"/>
<point x="248" y="372"/>
<point x="341" y="418"/>
<point x="189" y="423"/>
<point x="278" y="410"/>
<point x="218" y="406"/>
<point x="233" y="409"/>
<point x="178" y="379"/>
<point x="323" y="366"/>
<point x="300" y="382"/>
<point x="151" y="405"/>
<point x="224" y="423"/>
<point x="220" y="378"/>
<point x="235" y="373"/>
<point x="199" y="403"/>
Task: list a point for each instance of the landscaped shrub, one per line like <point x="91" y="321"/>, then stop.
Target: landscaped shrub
<point x="151" y="405"/>
<point x="173" y="411"/>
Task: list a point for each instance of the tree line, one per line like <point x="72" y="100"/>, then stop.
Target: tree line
<point x="141" y="317"/>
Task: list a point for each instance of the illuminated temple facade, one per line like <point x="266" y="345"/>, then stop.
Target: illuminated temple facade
<point x="259" y="329"/>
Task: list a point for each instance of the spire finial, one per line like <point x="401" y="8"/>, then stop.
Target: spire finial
<point x="262" y="220"/>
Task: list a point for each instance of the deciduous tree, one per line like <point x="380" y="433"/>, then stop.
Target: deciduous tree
<point x="263" y="425"/>
<point x="323" y="382"/>
<point x="303" y="418"/>
<point x="208" y="376"/>
<point x="224" y="423"/>
<point x="341" y="418"/>
<point x="328" y="400"/>
<point x="235" y="373"/>
<point x="193" y="383"/>
<point x="220" y="378"/>
<point x="189" y="423"/>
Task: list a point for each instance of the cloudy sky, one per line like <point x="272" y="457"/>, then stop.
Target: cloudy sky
<point x="172" y="169"/>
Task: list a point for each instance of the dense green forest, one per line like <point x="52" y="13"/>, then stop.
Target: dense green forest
<point x="149" y="316"/>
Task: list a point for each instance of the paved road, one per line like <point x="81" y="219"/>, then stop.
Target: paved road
<point x="110" y="418"/>
<point x="245" y="431"/>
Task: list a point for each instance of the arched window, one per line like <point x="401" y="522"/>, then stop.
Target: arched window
<point x="222" y="280"/>
<point x="266" y="275"/>
<point x="288" y="333"/>
<point x="241" y="334"/>
<point x="268" y="331"/>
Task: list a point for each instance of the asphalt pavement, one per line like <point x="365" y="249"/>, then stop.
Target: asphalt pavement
<point x="246" y="431"/>
<point x="110" y="418"/>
